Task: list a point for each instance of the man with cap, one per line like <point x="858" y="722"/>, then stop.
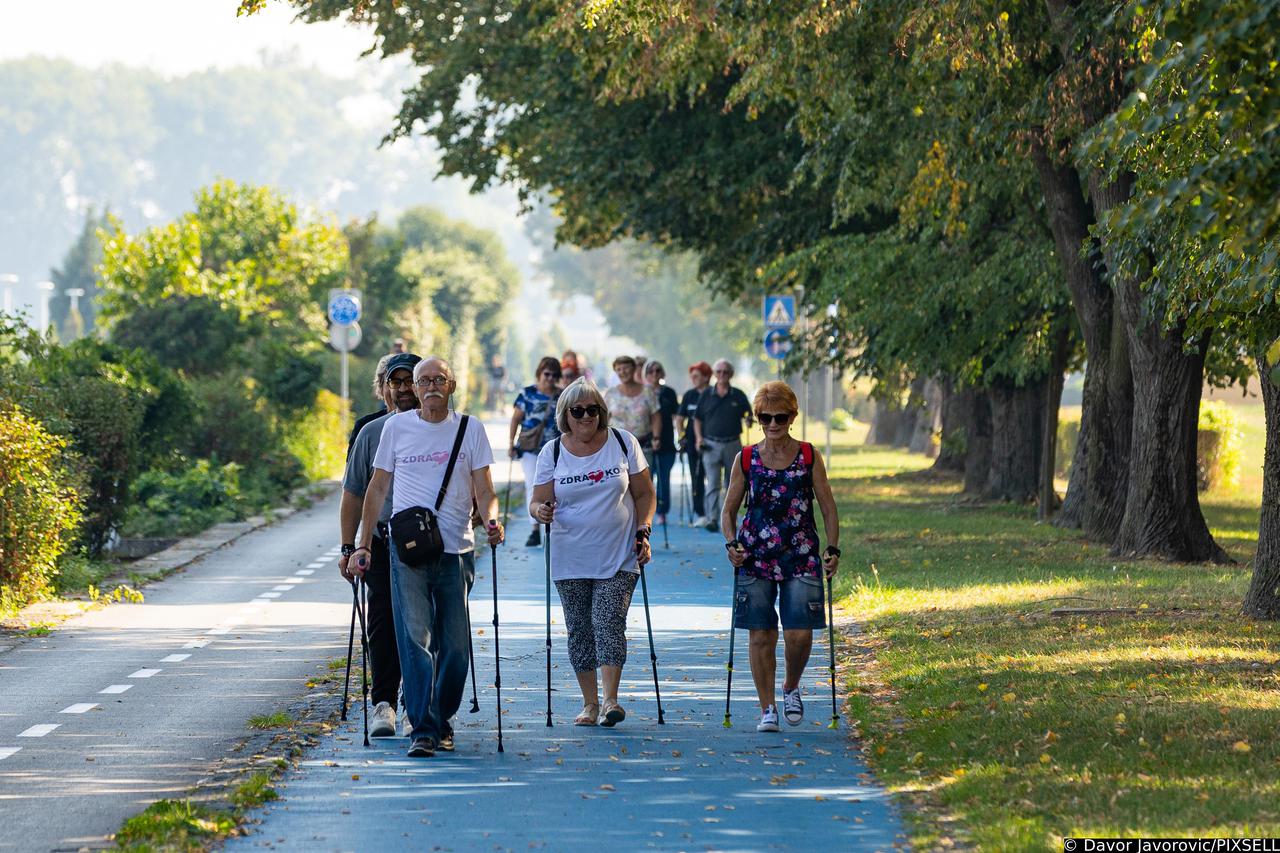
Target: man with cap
<point x="699" y="378"/>
<point x="397" y="393"/>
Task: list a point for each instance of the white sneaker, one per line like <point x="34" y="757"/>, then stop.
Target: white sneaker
<point x="382" y="722"/>
<point x="768" y="720"/>
<point x="700" y="521"/>
<point x="792" y="706"/>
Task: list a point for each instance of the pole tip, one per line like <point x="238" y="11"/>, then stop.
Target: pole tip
<point x="727" y="724"/>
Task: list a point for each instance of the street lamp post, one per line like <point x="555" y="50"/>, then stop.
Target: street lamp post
<point x="46" y="291"/>
<point x="8" y="279"/>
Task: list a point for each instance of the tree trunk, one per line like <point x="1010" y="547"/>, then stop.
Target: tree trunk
<point x="1263" y="599"/>
<point x="1093" y="503"/>
<point x="977" y="460"/>
<point x="1016" y="416"/>
<point x="955" y="412"/>
<point x="1047" y="502"/>
<point x="912" y="414"/>
<point x="886" y="423"/>
<point x="929" y="420"/>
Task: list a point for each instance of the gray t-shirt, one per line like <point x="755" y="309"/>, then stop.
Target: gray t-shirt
<point x="360" y="464"/>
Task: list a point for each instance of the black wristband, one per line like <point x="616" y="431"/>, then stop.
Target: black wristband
<point x="832" y="551"/>
<point x="731" y="544"/>
<point x="642" y="533"/>
<point x="348" y="549"/>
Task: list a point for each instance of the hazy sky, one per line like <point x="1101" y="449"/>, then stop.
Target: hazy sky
<point x="175" y="36"/>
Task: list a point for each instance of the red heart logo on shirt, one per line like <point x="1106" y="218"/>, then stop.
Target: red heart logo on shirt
<point x="595" y="476"/>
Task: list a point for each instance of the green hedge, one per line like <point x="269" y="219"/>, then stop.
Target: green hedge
<point x="1217" y="446"/>
<point x="39" y="507"/>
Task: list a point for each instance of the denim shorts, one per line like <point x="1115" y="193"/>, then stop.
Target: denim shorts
<point x="800" y="602"/>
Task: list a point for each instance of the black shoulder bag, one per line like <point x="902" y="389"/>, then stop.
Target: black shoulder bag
<point x="416" y="529"/>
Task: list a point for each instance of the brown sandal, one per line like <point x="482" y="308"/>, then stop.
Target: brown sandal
<point x="590" y="714"/>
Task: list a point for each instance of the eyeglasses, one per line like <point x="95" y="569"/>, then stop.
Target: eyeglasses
<point x="397" y="384"/>
<point x="549" y="375"/>
<point x="766" y="418"/>
<point x="584" y="411"/>
<point x="429" y="381"/>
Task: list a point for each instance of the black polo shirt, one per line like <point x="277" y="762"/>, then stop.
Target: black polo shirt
<point x="722" y="416"/>
<point x="689" y="410"/>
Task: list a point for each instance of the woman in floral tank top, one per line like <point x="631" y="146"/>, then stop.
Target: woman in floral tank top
<point x="775" y="552"/>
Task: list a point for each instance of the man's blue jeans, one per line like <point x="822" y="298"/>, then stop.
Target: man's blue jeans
<point x="431" y="635"/>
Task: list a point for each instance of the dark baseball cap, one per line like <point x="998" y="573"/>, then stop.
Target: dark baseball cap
<point x="402" y="361"/>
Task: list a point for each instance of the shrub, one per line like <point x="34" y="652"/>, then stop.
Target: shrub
<point x="317" y="438"/>
<point x="841" y="420"/>
<point x="39" y="507"/>
<point x="1217" y="447"/>
<point x="179" y="504"/>
<point x="1068" y="438"/>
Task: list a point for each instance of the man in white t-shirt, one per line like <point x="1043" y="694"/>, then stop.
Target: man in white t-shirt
<point x="430" y="601"/>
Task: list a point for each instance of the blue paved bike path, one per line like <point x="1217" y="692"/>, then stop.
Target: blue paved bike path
<point x="690" y="784"/>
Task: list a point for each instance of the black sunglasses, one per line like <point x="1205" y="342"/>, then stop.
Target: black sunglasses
<point x="584" y="411"/>
<point x="766" y="418"/>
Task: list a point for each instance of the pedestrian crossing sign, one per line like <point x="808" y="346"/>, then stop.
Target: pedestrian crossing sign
<point x="779" y="312"/>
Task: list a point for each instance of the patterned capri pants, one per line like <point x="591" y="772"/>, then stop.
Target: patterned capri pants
<point x="595" y="612"/>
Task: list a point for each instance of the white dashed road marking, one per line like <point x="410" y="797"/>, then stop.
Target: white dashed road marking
<point x="174" y="658"/>
<point x="79" y="708"/>
<point x="284" y="587"/>
<point x="305" y="572"/>
<point x="269" y="595"/>
<point x="144" y="673"/>
<point x="218" y="631"/>
<point x="116" y="688"/>
<point x="40" y="730"/>
<point x="6" y="751"/>
<point x="196" y="644"/>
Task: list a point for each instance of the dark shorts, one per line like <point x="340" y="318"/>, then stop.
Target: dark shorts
<point x="800" y="601"/>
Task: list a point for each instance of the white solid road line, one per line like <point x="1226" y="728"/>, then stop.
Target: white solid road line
<point x="174" y="658"/>
<point x="79" y="708"/>
<point x="144" y="673"/>
<point x="6" y="751"/>
<point x="40" y="730"/>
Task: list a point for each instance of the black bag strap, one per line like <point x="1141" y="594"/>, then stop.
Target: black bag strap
<point x="453" y="460"/>
<point x="622" y="443"/>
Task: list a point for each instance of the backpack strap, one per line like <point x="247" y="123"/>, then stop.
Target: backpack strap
<point x="746" y="459"/>
<point x="806" y="454"/>
<point x="453" y="459"/>
<point x="621" y="441"/>
<point x="555" y="454"/>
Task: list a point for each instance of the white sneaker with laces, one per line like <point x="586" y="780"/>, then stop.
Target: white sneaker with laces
<point x="382" y="722"/>
<point x="768" y="720"/>
<point x="700" y="521"/>
<point x="792" y="706"/>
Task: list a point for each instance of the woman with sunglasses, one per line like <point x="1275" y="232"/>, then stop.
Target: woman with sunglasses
<point x="775" y="551"/>
<point x="533" y="425"/>
<point x="592" y="486"/>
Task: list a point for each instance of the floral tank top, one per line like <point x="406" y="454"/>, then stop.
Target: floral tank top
<point x="778" y="531"/>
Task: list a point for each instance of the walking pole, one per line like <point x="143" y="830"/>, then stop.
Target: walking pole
<point x="831" y="658"/>
<point x="653" y="656"/>
<point x="506" y="501"/>
<point x="686" y="499"/>
<point x="497" y="658"/>
<point x="546" y="550"/>
<point x="364" y="655"/>
<point x="351" y="641"/>
<point x="728" y="689"/>
<point x="471" y="656"/>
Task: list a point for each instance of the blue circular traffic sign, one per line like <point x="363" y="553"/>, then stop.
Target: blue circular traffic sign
<point x="777" y="343"/>
<point x="344" y="309"/>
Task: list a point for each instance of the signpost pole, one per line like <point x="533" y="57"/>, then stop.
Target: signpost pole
<point x="346" y="376"/>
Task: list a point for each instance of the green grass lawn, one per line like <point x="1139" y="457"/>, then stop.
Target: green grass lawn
<point x="1010" y="728"/>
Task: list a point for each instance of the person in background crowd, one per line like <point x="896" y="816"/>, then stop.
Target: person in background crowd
<point x="379" y="391"/>
<point x="633" y="405"/>
<point x="699" y="378"/>
<point x="497" y="377"/>
<point x="398" y="347"/>
<point x="397" y="387"/>
<point x="600" y="539"/>
<point x="569" y="369"/>
<point x="717" y="430"/>
<point x="664" y="456"/>
<point x="533" y="425"/>
<point x="430" y="601"/>
<point x="775" y="551"/>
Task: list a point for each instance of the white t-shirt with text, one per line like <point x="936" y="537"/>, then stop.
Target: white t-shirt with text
<point x="416" y="452"/>
<point x="593" y="534"/>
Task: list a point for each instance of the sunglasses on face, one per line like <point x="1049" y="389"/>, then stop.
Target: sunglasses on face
<point x="584" y="411"/>
<point x="549" y="375"/>
<point x="398" y="384"/>
<point x="766" y="418"/>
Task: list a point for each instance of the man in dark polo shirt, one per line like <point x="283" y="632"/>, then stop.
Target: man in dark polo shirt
<point x="379" y="392"/>
<point x="700" y="379"/>
<point x="717" y="429"/>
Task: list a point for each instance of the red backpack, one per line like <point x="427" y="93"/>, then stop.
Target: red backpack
<point x="806" y="456"/>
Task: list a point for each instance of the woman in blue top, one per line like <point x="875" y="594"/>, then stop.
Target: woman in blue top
<point x="775" y="551"/>
<point x="533" y="425"/>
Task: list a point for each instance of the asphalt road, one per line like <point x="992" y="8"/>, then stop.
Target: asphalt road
<point x="133" y="703"/>
<point x="689" y="784"/>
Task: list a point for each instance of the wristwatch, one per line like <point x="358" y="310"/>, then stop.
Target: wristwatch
<point x="348" y="549"/>
<point x="731" y="544"/>
<point x="642" y="533"/>
<point x="832" y="551"/>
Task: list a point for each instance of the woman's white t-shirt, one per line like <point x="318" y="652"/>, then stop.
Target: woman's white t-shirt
<point x="593" y="534"/>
